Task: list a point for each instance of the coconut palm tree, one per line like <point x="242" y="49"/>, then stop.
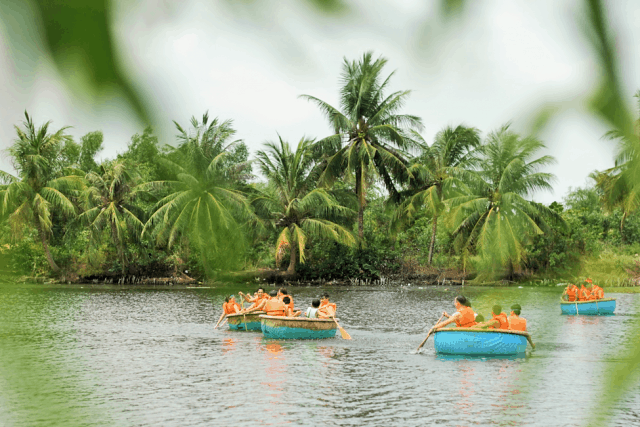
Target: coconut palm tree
<point x="294" y="204"/>
<point x="201" y="204"/>
<point x="28" y="198"/>
<point x="493" y="214"/>
<point x="108" y="204"/>
<point x="620" y="186"/>
<point x="369" y="131"/>
<point x="434" y="170"/>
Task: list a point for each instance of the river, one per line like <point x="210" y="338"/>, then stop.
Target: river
<point x="109" y="356"/>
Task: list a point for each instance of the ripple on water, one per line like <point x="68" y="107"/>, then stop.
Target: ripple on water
<point x="151" y="357"/>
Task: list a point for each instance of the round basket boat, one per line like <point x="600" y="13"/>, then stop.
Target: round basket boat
<point x="596" y="307"/>
<point x="297" y="328"/>
<point x="479" y="342"/>
<point x="245" y="322"/>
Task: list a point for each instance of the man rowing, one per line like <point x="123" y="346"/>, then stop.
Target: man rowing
<point x="464" y="317"/>
<point x="230" y="306"/>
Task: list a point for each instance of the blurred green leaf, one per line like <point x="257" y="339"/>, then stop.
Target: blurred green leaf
<point x="78" y="34"/>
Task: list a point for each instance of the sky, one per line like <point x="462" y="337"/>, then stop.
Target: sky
<point x="500" y="62"/>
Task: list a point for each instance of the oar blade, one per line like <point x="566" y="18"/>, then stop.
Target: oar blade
<point x="345" y="334"/>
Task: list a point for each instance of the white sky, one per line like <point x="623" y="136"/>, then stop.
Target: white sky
<point x="249" y="63"/>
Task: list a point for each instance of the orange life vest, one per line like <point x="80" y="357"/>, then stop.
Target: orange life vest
<point x="596" y="293"/>
<point x="274" y="307"/>
<point x="323" y="312"/>
<point x="517" y="323"/>
<point x="572" y="292"/>
<point x="502" y="318"/>
<point x="583" y="294"/>
<point x="231" y="307"/>
<point x="467" y="319"/>
<point x="290" y="305"/>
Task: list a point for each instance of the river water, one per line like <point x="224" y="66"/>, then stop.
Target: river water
<point x="94" y="356"/>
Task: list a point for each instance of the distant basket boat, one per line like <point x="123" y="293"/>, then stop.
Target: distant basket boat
<point x="593" y="307"/>
<point x="297" y="328"/>
<point x="479" y="342"/>
<point x="245" y="322"/>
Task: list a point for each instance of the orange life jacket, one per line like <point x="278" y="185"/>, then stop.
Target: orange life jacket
<point x="467" y="319"/>
<point x="572" y="292"/>
<point x="323" y="312"/>
<point x="502" y="318"/>
<point x="583" y="294"/>
<point x="517" y="323"/>
<point x="274" y="307"/>
<point x="596" y="293"/>
<point x="231" y="307"/>
<point x="290" y="305"/>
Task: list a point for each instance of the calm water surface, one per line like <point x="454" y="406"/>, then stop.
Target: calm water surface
<point x="76" y="356"/>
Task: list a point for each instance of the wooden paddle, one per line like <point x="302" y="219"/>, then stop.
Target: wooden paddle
<point x="343" y="333"/>
<point x="429" y="334"/>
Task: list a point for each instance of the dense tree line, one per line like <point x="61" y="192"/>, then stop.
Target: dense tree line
<point x="372" y="198"/>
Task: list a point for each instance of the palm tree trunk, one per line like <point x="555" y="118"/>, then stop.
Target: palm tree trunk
<point x="116" y="241"/>
<point x="291" y="270"/>
<point x="45" y="246"/>
<point x="361" y="202"/>
<point x="433" y="238"/>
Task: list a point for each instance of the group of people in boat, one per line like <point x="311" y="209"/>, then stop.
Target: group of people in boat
<point x="465" y="317"/>
<point x="587" y="292"/>
<point x="277" y="303"/>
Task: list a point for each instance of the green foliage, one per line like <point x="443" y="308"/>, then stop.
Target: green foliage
<point x="369" y="131"/>
<point x="292" y="203"/>
<point x="201" y="207"/>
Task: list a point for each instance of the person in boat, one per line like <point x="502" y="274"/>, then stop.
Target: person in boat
<point x="257" y="301"/>
<point x="595" y="291"/>
<point x="229" y="306"/>
<point x="258" y="295"/>
<point x="273" y="306"/>
<point x="327" y="309"/>
<point x="312" y="312"/>
<point x="584" y="293"/>
<point x="479" y="318"/>
<point x="517" y="323"/>
<point x="282" y="293"/>
<point x="289" y="308"/>
<point x="570" y="292"/>
<point x="499" y="320"/>
<point x="464" y="317"/>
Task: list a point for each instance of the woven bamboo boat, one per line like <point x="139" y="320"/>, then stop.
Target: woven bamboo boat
<point x="297" y="328"/>
<point x="479" y="342"/>
<point x="245" y="322"/>
<point x="596" y="307"/>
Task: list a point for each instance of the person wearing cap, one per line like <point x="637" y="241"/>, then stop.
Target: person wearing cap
<point x="327" y="309"/>
<point x="517" y="323"/>
<point x="230" y="306"/>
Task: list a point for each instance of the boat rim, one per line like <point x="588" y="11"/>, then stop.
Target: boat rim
<point x="499" y="331"/>
<point x="587" y="302"/>
<point x="301" y="319"/>
<point x="245" y="314"/>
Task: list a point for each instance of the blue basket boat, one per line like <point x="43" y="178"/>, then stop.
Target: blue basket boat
<point x="245" y="322"/>
<point x="603" y="306"/>
<point x="479" y="342"/>
<point x="297" y="328"/>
